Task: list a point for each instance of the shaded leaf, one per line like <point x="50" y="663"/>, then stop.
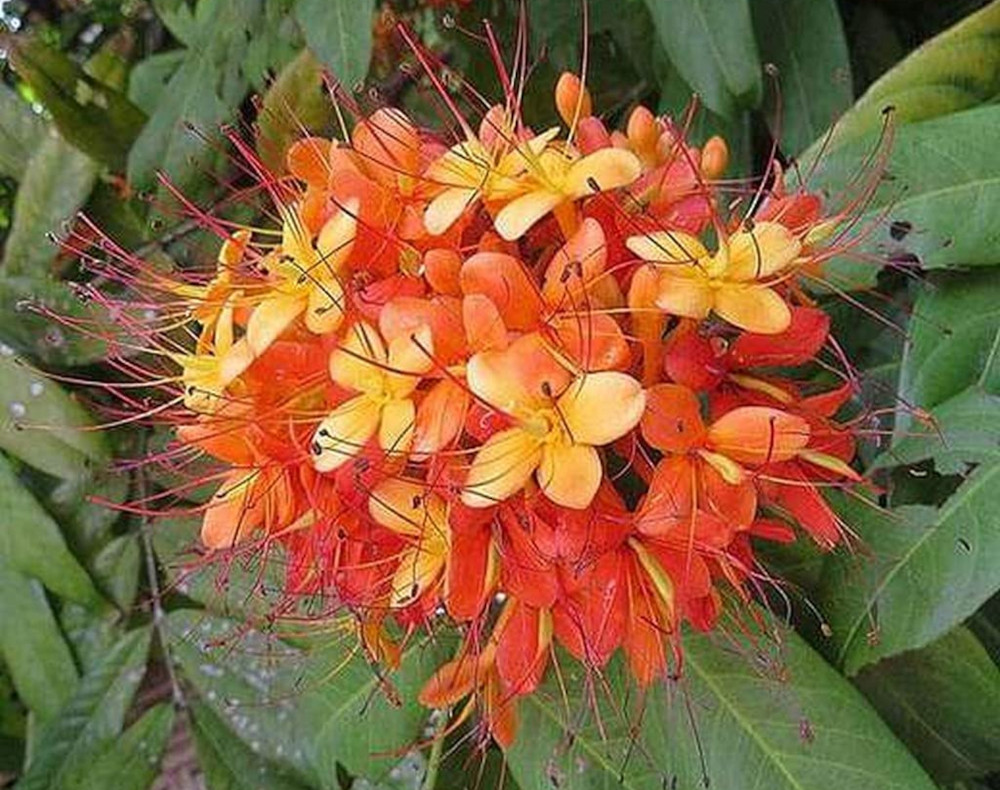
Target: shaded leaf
<point x="805" y="40"/>
<point x="20" y="130"/>
<point x="965" y="429"/>
<point x="938" y="700"/>
<point x="148" y="79"/>
<point x="712" y="45"/>
<point x="41" y="423"/>
<point x="929" y="570"/>
<point x="33" y="649"/>
<point x="90" y="115"/>
<point x="131" y="762"/>
<point x="339" y="32"/>
<point x="91" y="719"/>
<point x="227" y="762"/>
<point x="957" y="69"/>
<point x="55" y="184"/>
<point x="939" y="208"/>
<point x="116" y="567"/>
<point x="953" y="344"/>
<point x="327" y="700"/>
<point x="297" y="103"/>
<point x="31" y="542"/>
<point x="756" y="716"/>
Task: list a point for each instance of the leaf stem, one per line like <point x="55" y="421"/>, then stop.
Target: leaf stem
<point x="437" y="749"/>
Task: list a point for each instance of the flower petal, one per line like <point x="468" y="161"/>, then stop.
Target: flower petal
<point x="753" y="308"/>
<point x="395" y="432"/>
<point x="419" y="568"/>
<point x="664" y="246"/>
<point x="360" y="361"/>
<point x="570" y="474"/>
<point x="408" y="508"/>
<point x="270" y="319"/>
<point x="501" y="467"/>
<point x="598" y="408"/>
<point x="410" y="357"/>
<point x="608" y="168"/>
<point x="766" y="250"/>
<point x="672" y="421"/>
<point x="758" y="435"/>
<point x="233" y="513"/>
<point x="344" y="432"/>
<point x="507" y="283"/>
<point x="522" y="212"/>
<point x="525" y="375"/>
<point x="443" y="211"/>
<point x="688" y="297"/>
<point x="325" y="308"/>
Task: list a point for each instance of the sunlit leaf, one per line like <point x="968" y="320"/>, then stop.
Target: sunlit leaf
<point x="20" y="130"/>
<point x="339" y="32"/>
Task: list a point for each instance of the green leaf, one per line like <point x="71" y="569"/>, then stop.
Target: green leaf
<point x="132" y="761"/>
<point x="937" y="700"/>
<point x="965" y="429"/>
<point x="36" y="655"/>
<point x="92" y="718"/>
<point x="954" y="344"/>
<point x="805" y="40"/>
<point x="20" y="130"/>
<point x="30" y="542"/>
<point x="42" y="424"/>
<point x="931" y="569"/>
<point x="941" y="202"/>
<point x="116" y="567"/>
<point x="148" y="79"/>
<point x="308" y="709"/>
<point x="89" y="113"/>
<point x="227" y="762"/>
<point x="296" y="104"/>
<point x="205" y="91"/>
<point x="712" y="45"/>
<point x="55" y="184"/>
<point x="957" y="69"/>
<point x="757" y="714"/>
<point x="339" y="32"/>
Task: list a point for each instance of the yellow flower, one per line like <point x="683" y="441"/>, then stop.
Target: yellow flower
<point x="560" y="175"/>
<point x="385" y="380"/>
<point x="736" y="283"/>
<point x="557" y="430"/>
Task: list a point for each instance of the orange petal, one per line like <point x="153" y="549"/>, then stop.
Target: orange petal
<point x="440" y="417"/>
<point x="441" y="268"/>
<point x="525" y="375"/>
<point x="360" y="361"/>
<point x="758" y="435"/>
<point x="484" y="326"/>
<point x="234" y="512"/>
<point x="576" y="266"/>
<point x="504" y="280"/>
<point x="570" y="474"/>
<point x="672" y="421"/>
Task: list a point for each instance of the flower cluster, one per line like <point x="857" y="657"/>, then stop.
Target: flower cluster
<point x="544" y="385"/>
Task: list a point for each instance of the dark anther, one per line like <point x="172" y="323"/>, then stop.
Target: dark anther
<point x="900" y="229"/>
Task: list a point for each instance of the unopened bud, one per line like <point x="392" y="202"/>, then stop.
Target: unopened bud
<point x="572" y="98"/>
<point x="714" y="157"/>
<point x="642" y="129"/>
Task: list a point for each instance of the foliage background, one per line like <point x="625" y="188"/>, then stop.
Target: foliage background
<point x="112" y="656"/>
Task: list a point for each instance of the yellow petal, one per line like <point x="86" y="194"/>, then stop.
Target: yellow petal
<point x="690" y="297"/>
<point x="753" y="308"/>
<point x="336" y="238"/>
<point x="769" y="248"/>
<point x="271" y="318"/>
<point x="234" y="362"/>
<point x="667" y="247"/>
<point x="419" y="568"/>
<point x="410" y="357"/>
<point x="446" y="208"/>
<point x="359" y="363"/>
<point x="344" y="432"/>
<point x="600" y="407"/>
<point x="408" y="508"/>
<point x="325" y="308"/>
<point x="501" y="467"/>
<point x="395" y="433"/>
<point x="607" y="168"/>
<point x="520" y="214"/>
<point x="570" y="474"/>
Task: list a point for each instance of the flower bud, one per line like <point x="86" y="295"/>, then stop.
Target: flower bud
<point x="572" y="98"/>
<point x="714" y="157"/>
